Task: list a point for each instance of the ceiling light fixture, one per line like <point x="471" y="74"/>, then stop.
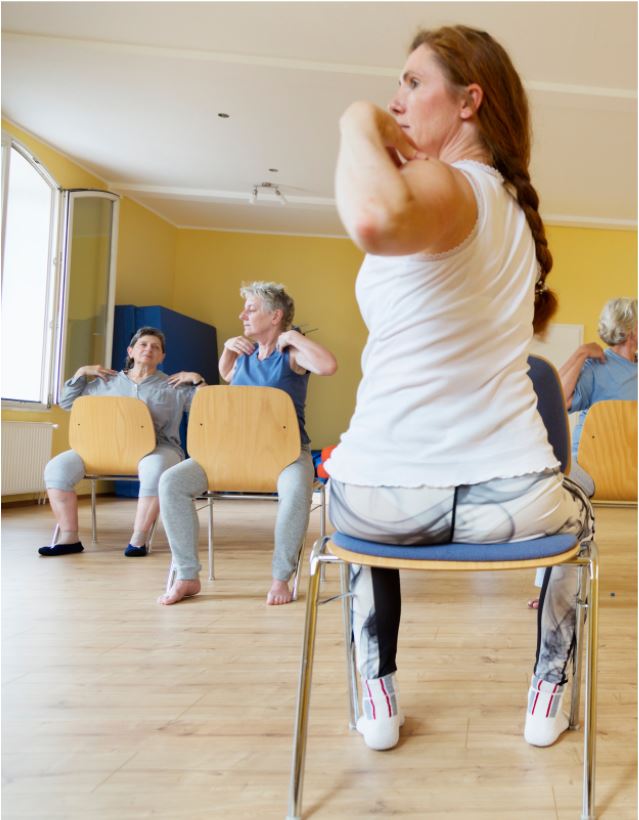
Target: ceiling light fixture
<point x="269" y="187"/>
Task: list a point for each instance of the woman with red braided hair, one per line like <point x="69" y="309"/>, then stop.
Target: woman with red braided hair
<point x="446" y="443"/>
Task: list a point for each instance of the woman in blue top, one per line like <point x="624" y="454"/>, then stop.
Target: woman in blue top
<point x="268" y="354"/>
<point x="592" y="374"/>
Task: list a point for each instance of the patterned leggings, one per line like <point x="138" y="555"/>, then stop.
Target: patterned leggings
<point x="504" y="509"/>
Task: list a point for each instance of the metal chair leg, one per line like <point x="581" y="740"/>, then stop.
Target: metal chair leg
<point x="304" y="689"/>
<point x="56" y="532"/>
<point x="94" y="526"/>
<point x="298" y="571"/>
<point x="300" y="560"/>
<point x="577" y="658"/>
<point x="171" y="577"/>
<point x="149" y="543"/>
<point x="351" y="666"/>
<point x="323" y="523"/>
<point x="322" y="510"/>
<point x="211" y="566"/>
<point x="590" y="716"/>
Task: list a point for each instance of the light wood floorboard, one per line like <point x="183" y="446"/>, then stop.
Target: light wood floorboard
<point x="114" y="707"/>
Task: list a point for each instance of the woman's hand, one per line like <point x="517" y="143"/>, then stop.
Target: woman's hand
<point x="185" y="377"/>
<point x="570" y="371"/>
<point x="392" y="198"/>
<point x="305" y="354"/>
<point x="592" y="350"/>
<point x="95" y="370"/>
<point x="233" y="347"/>
<point x="239" y="345"/>
<point x="368" y="119"/>
<point x="290" y="338"/>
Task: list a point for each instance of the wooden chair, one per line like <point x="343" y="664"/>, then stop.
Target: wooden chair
<point x="343" y="550"/>
<point x="110" y="434"/>
<point x="243" y="437"/>
<point x="608" y="450"/>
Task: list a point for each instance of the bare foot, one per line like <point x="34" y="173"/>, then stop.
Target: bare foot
<point x="533" y="603"/>
<point x="279" y="593"/>
<point x="180" y="590"/>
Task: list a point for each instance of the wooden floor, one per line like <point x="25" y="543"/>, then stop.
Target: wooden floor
<point x="114" y="707"/>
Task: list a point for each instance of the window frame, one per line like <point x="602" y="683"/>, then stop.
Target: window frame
<point x="57" y="276"/>
<point x="69" y="196"/>
<point x="47" y="373"/>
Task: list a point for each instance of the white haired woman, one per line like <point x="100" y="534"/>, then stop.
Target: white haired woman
<point x="268" y="354"/>
<point x="167" y="398"/>
<point x="593" y="374"/>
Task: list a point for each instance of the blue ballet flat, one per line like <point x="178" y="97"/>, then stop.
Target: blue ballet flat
<point x="135" y="552"/>
<point x="62" y="549"/>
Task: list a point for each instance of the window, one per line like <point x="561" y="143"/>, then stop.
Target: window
<point x="58" y="277"/>
<point x="30" y="207"/>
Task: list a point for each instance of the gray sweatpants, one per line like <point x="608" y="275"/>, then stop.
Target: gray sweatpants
<point x="181" y="484"/>
<point x="66" y="469"/>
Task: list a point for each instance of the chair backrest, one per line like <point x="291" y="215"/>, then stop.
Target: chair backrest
<point x="608" y="449"/>
<point x="111" y="433"/>
<point x="243" y="437"/>
<point x="552" y="407"/>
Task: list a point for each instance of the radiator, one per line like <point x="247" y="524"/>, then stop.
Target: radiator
<point x="26" y="448"/>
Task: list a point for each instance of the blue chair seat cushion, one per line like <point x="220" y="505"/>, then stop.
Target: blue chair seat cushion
<point x="536" y="548"/>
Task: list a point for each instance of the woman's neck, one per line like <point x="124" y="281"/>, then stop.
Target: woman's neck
<point x="267" y="343"/>
<point x="465" y="144"/>
<point x="139" y="372"/>
<point x="627" y="350"/>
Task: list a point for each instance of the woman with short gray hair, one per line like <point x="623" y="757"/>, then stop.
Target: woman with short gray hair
<point x="270" y="353"/>
<point x="593" y="374"/>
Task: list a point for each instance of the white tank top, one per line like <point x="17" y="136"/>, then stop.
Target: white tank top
<point x="445" y="398"/>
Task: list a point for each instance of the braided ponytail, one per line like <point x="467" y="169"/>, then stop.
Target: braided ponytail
<point x="528" y="199"/>
<point x="467" y="56"/>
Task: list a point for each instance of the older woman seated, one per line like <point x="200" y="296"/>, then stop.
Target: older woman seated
<point x="167" y="397"/>
<point x="269" y="354"/>
<point x="593" y="374"/>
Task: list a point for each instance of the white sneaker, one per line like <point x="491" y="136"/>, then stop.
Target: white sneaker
<point x="545" y="721"/>
<point x="381" y="719"/>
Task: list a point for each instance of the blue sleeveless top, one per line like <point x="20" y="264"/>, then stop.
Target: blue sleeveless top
<point x="274" y="371"/>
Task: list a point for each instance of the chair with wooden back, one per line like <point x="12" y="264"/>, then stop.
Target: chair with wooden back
<point x="344" y="550"/>
<point x="608" y="450"/>
<point x="110" y="434"/>
<point x="242" y="437"/>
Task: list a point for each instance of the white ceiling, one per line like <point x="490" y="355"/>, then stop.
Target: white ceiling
<point x="132" y="91"/>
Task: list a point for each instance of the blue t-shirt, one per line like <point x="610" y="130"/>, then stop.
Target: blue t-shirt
<point x="615" y="379"/>
<point x="274" y="371"/>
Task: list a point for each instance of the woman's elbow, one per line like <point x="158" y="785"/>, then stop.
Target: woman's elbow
<point x="370" y="234"/>
<point x="328" y="367"/>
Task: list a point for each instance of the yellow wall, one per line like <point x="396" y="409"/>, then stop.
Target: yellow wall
<point x="591" y="266"/>
<point x="318" y="273"/>
<point x="146" y="257"/>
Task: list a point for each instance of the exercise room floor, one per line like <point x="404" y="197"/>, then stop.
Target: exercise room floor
<point x="115" y="707"/>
